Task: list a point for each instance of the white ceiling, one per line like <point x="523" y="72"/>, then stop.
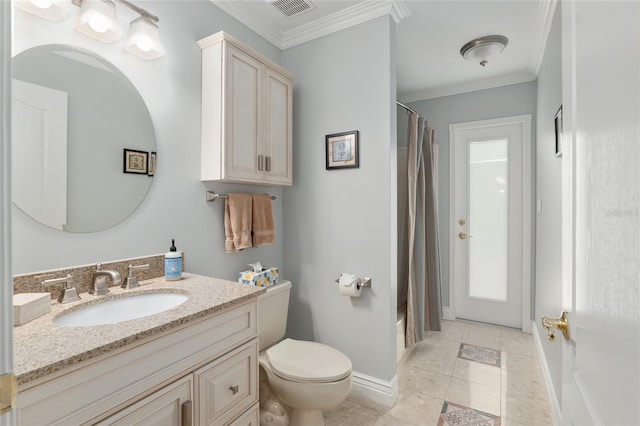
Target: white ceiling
<point x="429" y="35"/>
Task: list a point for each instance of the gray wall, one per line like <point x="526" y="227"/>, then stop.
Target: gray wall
<point x="344" y="220"/>
<point x="548" y="298"/>
<point x="175" y="206"/>
<point x="517" y="99"/>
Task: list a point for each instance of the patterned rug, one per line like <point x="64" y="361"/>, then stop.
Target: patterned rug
<point x="479" y="354"/>
<point x="458" y="415"/>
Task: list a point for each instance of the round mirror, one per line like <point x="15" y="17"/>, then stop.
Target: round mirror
<point x="83" y="144"/>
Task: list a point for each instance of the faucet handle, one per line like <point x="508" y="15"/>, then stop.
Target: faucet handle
<point x="132" y="281"/>
<point x="68" y="293"/>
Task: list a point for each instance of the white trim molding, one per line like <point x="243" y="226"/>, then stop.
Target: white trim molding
<point x="471" y="86"/>
<point x="349" y="17"/>
<point x="373" y="389"/>
<point x="447" y="313"/>
<point x="544" y="20"/>
<point x="525" y="121"/>
<point x="556" y="412"/>
<point x="6" y="279"/>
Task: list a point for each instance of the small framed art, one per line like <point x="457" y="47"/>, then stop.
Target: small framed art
<point x="152" y="163"/>
<point x="136" y="162"/>
<point x="558" y="131"/>
<point x="342" y="150"/>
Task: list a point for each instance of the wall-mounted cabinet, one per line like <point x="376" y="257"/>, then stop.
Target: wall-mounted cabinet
<point x="246" y="115"/>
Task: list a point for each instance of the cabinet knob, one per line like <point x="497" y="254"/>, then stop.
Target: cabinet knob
<point x="260" y="161"/>
<point x="234" y="389"/>
<point x="268" y="163"/>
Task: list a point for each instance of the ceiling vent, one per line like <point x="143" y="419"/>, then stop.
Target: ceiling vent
<point x="293" y="8"/>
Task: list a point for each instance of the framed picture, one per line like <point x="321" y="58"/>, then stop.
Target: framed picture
<point x="342" y="150"/>
<point x="152" y="163"/>
<point x="135" y="161"/>
<point x="558" y="129"/>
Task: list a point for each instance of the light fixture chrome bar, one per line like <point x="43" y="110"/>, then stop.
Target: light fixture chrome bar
<point x="131" y="6"/>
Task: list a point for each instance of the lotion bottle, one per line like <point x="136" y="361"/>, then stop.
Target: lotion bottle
<point x="172" y="264"/>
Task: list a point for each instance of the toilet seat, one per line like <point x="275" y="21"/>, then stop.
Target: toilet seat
<point x="308" y="361"/>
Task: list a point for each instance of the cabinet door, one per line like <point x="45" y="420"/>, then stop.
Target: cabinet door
<point x="228" y="386"/>
<point x="170" y="406"/>
<point x="250" y="418"/>
<point x="243" y="120"/>
<point x="278" y="128"/>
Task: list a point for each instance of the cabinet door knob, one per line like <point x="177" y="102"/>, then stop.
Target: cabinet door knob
<point x="260" y="161"/>
<point x="268" y="163"/>
<point x="234" y="389"/>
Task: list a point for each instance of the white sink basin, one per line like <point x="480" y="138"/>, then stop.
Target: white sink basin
<point x="118" y="310"/>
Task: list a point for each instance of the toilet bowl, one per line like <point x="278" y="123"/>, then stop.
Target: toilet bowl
<point x="307" y="377"/>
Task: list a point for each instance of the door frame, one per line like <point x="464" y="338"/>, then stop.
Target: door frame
<point x="525" y="122"/>
<point x="6" y="280"/>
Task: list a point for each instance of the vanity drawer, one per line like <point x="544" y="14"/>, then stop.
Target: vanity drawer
<point x="228" y="386"/>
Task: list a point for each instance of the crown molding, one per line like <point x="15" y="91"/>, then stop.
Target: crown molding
<point x="354" y="15"/>
<point x="269" y="32"/>
<point x="544" y="20"/>
<point x="472" y="86"/>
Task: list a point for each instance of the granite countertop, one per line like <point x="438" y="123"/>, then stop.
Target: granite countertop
<point x="41" y="347"/>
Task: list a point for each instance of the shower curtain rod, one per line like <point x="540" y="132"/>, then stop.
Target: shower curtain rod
<point x="407" y="108"/>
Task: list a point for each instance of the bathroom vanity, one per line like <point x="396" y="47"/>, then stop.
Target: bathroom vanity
<point x="195" y="364"/>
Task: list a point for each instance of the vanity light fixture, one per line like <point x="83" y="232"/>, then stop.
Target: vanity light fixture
<point x="100" y="22"/>
<point x="51" y="10"/>
<point x="98" y="19"/>
<point x="480" y="49"/>
<point x="144" y="38"/>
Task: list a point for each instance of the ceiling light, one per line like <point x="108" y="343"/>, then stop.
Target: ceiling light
<point x="98" y="20"/>
<point x="480" y="49"/>
<point x="51" y="10"/>
<point x="144" y="38"/>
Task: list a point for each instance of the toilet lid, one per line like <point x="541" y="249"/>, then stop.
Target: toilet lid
<point x="308" y="361"/>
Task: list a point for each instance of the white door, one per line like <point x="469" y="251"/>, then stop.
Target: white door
<point x="601" y="209"/>
<point x="39" y="152"/>
<point x="490" y="224"/>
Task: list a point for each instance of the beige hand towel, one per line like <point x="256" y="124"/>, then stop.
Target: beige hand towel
<point x="237" y="222"/>
<point x="263" y="233"/>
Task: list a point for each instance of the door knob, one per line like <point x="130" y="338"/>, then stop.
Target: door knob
<point x="461" y="222"/>
<point x="550" y="324"/>
<point x="462" y="235"/>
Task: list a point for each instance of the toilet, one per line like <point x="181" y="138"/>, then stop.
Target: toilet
<point x="307" y="377"/>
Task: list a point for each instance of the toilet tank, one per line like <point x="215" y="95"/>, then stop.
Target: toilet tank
<point x="273" y="307"/>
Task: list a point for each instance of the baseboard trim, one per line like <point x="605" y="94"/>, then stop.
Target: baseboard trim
<point x="556" y="412"/>
<point x="373" y="389"/>
<point x="447" y="313"/>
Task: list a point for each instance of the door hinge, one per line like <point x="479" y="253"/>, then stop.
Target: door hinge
<point x="8" y="390"/>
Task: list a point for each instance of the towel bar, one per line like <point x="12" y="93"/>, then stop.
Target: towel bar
<point x="213" y="196"/>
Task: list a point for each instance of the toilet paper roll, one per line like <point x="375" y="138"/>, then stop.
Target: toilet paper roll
<point x="349" y="285"/>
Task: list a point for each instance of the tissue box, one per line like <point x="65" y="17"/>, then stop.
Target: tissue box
<point x="29" y="306"/>
<point x="265" y="278"/>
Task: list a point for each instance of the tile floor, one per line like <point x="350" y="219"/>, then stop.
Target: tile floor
<point x="467" y="374"/>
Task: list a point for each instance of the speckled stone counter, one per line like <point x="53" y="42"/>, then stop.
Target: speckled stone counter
<point x="41" y="347"/>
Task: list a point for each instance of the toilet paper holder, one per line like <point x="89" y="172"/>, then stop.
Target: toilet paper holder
<point x="366" y="282"/>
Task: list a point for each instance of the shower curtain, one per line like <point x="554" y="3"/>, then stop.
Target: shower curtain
<point x="420" y="258"/>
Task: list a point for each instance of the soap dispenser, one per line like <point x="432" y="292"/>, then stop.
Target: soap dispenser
<point x="173" y="263"/>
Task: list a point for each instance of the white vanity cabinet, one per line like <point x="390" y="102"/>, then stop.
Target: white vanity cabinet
<point x="246" y="115"/>
<point x="203" y="372"/>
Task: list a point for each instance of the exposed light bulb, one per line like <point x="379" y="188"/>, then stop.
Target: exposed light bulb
<point x="144" y="43"/>
<point x="99" y="23"/>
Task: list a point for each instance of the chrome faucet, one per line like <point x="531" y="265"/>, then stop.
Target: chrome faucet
<point x="99" y="280"/>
